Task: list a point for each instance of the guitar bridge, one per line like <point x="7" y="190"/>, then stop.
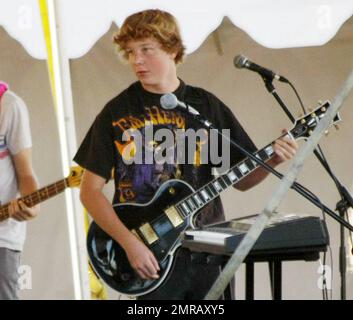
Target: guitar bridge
<point x="148" y="233"/>
<point x="174" y="216"/>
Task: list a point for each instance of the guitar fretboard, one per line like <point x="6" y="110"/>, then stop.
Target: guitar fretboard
<point x="211" y="190"/>
<point x="37" y="197"/>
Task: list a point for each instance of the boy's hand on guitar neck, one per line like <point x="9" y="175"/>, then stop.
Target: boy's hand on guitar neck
<point x="142" y="259"/>
<point x="20" y="212"/>
<point x="285" y="149"/>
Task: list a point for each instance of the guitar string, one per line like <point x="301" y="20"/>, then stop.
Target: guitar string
<point x="36" y="197"/>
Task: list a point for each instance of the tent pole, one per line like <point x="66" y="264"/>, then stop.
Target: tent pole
<point x="68" y="146"/>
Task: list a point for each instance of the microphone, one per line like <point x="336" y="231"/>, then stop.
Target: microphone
<point x="170" y="101"/>
<point x="243" y="62"/>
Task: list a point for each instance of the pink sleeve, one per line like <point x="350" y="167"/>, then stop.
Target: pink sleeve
<point x="3" y="88"/>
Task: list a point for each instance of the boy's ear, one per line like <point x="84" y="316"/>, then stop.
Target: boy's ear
<point x="172" y="55"/>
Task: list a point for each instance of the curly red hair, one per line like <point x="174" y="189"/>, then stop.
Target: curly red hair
<point x="157" y="24"/>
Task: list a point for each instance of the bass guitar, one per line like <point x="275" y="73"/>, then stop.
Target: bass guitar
<point x="73" y="180"/>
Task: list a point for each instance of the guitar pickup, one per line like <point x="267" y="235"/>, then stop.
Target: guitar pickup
<point x="174" y="216"/>
<point x="148" y="233"/>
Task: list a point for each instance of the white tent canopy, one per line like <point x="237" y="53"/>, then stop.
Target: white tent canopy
<point x="80" y="24"/>
<point x="271" y="23"/>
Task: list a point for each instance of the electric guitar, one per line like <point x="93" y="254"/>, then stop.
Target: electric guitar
<point x="73" y="180"/>
<point x="160" y="222"/>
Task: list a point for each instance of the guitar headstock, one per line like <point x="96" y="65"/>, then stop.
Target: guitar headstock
<point x="74" y="178"/>
<point x="304" y="126"/>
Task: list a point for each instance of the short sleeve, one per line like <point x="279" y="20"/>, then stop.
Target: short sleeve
<point x="225" y="119"/>
<point x="96" y="152"/>
<point x="18" y="131"/>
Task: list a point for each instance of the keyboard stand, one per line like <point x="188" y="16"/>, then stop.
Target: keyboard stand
<point x="273" y="257"/>
<point x="275" y="270"/>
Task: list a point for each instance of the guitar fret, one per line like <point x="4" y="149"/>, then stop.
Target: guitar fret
<point x="205" y="195"/>
<point x="217" y="186"/>
<point x="263" y="155"/>
<point x="227" y="180"/>
<point x="222" y="183"/>
<point x="269" y="151"/>
<point x="181" y="211"/>
<point x="198" y="200"/>
<point x="213" y="190"/>
<point x="4" y="213"/>
<point x="237" y="172"/>
<point x="232" y="176"/>
<point x="258" y="157"/>
<point x="192" y="204"/>
<point x="209" y="191"/>
<point x="45" y="193"/>
<point x="249" y="164"/>
<point x="28" y="200"/>
<point x="186" y="208"/>
<point x="243" y="168"/>
<point x="35" y="198"/>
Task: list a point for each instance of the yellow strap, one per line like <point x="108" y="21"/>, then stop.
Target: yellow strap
<point x="98" y="291"/>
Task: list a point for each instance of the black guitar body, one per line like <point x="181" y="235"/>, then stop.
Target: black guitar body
<point x="109" y="259"/>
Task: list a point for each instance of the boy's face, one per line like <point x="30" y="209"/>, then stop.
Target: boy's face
<point x="154" y="67"/>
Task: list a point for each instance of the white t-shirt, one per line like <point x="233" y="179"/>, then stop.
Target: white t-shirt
<point x="15" y="136"/>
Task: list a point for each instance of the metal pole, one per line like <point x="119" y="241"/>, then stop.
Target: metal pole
<point x="68" y="147"/>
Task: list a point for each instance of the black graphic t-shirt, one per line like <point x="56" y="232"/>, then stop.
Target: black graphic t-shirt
<point x="133" y="118"/>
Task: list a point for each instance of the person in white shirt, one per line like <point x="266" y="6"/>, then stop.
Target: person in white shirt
<point x="17" y="178"/>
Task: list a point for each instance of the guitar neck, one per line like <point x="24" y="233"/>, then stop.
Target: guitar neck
<point x="213" y="189"/>
<point x="36" y="197"/>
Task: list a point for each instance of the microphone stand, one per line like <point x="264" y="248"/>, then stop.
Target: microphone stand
<point x="296" y="186"/>
<point x="342" y="206"/>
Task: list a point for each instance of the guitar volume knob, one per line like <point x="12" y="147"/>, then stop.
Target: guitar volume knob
<point x="125" y="276"/>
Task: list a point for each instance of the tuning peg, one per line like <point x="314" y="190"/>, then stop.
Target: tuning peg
<point x="336" y="126"/>
<point x="319" y="102"/>
<point x="326" y="133"/>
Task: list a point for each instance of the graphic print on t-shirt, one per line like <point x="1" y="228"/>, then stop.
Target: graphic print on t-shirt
<point x="139" y="181"/>
<point x="4" y="152"/>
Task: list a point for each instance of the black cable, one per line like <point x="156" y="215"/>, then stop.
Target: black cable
<point x="324" y="284"/>
<point x="331" y="259"/>
<point x="350" y="235"/>
<point x="296" y="93"/>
